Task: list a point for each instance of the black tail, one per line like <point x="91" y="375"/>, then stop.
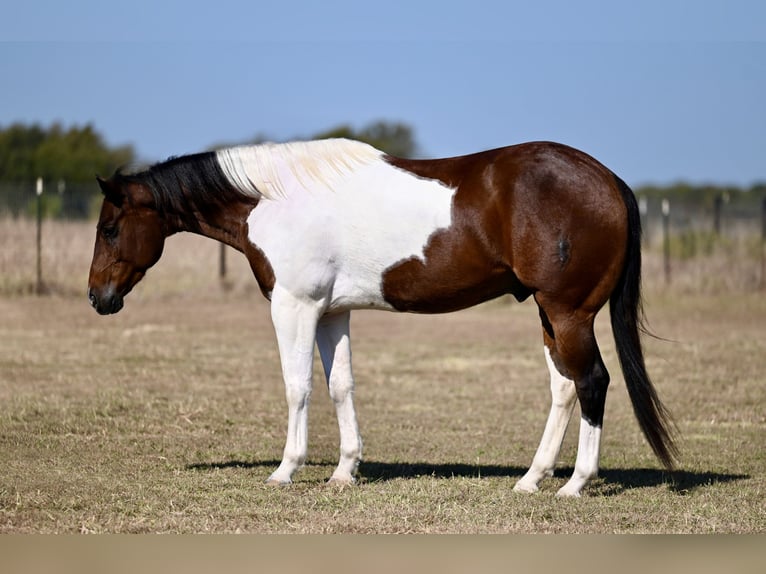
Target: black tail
<point x="627" y="322"/>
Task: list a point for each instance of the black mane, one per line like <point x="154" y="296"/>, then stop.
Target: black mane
<point x="185" y="185"/>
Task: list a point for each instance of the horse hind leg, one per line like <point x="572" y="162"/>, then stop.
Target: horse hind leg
<point x="576" y="370"/>
<point x="563" y="398"/>
<point x="578" y="352"/>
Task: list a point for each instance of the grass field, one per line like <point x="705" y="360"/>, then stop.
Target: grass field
<point x="169" y="416"/>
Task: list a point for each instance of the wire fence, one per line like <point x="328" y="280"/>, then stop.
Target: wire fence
<point x="47" y="233"/>
<point x="58" y="200"/>
<point x="724" y="242"/>
<point x="689" y="244"/>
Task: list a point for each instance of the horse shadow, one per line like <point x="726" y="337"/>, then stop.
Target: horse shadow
<point x="611" y="481"/>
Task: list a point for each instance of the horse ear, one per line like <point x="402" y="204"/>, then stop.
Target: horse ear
<point x="111" y="191"/>
<point x="102" y="183"/>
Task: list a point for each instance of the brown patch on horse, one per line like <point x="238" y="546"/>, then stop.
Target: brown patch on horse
<point x="517" y="215"/>
<point x="472" y="244"/>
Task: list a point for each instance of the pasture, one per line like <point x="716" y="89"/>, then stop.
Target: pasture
<point x="169" y="416"/>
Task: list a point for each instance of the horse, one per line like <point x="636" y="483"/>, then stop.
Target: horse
<point x="329" y="226"/>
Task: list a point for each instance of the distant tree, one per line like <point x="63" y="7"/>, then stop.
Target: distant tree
<point x="393" y="138"/>
<point x="76" y="154"/>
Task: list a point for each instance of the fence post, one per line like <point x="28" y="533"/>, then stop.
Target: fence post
<point x="39" y="284"/>
<point x="717" y="208"/>
<point x="763" y="242"/>
<point x="222" y="263"/>
<point x="643" y="210"/>
<point x="666" y="238"/>
<point x="718" y="202"/>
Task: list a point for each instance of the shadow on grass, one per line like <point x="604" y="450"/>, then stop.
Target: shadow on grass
<point x="615" y="480"/>
<point x="233" y="464"/>
<point x="611" y="481"/>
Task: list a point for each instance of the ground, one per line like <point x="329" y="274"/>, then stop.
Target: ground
<point x="169" y="416"/>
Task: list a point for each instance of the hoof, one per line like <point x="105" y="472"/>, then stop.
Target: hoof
<point x="341" y="481"/>
<point x="527" y="488"/>
<point x="271" y="481"/>
<point x="564" y="492"/>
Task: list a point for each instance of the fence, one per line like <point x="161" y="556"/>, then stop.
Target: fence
<point x="712" y="245"/>
<point x="47" y="239"/>
<point x="690" y="233"/>
<point x="59" y="200"/>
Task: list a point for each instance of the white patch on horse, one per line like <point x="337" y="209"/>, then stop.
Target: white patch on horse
<point x="335" y="222"/>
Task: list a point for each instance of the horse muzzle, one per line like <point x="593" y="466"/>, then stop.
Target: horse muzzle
<point x="106" y="303"/>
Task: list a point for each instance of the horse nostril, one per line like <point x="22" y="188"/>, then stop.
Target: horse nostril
<point x="116" y="304"/>
<point x="106" y="302"/>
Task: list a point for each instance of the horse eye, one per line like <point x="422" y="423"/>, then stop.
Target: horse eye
<point x="109" y="232"/>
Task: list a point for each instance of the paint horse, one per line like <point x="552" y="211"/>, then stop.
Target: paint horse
<point x="335" y="225"/>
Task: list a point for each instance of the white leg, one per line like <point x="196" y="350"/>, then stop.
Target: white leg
<point x="563" y="398"/>
<point x="295" y="323"/>
<point x="335" y="350"/>
<point x="586" y="465"/>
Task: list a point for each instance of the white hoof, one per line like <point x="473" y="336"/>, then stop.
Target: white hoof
<point x="565" y="492"/>
<point x="527" y="487"/>
<point x="341" y="482"/>
<point x="342" y="478"/>
<point x="272" y="481"/>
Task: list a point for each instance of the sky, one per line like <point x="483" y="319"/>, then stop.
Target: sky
<point x="659" y="91"/>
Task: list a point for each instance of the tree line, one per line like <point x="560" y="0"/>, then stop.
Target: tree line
<point x="707" y="197"/>
<point x="55" y="153"/>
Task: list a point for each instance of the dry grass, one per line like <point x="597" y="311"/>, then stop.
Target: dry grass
<point x="169" y="416"/>
<point x="705" y="263"/>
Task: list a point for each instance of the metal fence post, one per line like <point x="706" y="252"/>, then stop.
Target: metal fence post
<point x="763" y="243"/>
<point x="39" y="284"/>
<point x="222" y="263"/>
<point x="717" y="209"/>
<point x="666" y="238"/>
<point x="643" y="210"/>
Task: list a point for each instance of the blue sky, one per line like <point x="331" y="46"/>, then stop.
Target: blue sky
<point x="660" y="91"/>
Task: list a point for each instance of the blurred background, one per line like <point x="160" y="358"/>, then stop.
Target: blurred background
<point x="668" y="95"/>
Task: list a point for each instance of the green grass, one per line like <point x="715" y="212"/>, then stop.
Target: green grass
<point x="169" y="416"/>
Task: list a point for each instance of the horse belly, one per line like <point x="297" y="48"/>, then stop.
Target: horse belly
<point x="441" y="284"/>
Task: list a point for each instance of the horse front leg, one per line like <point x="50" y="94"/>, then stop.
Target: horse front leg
<point x="295" y="323"/>
<point x="335" y="350"/>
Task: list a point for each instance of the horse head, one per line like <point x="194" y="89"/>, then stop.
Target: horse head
<point x="130" y="236"/>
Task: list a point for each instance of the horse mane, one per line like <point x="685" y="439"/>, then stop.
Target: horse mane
<point x="273" y="170"/>
<point x="184" y="185"/>
<point x="208" y="181"/>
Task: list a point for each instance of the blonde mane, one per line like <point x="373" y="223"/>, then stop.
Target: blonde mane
<point x="273" y="170"/>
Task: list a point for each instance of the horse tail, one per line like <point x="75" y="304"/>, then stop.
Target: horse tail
<point x="627" y="318"/>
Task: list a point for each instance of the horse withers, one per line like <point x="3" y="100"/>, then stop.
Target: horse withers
<point x="334" y="225"/>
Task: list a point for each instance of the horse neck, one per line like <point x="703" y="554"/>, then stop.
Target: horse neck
<point x="226" y="224"/>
